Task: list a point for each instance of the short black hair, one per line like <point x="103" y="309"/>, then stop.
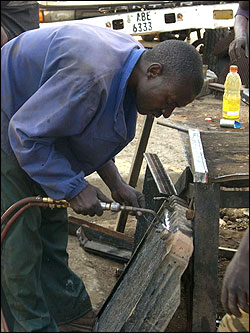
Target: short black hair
<point x="181" y="62"/>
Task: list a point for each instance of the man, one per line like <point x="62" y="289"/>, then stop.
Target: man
<point x="70" y="97"/>
<point x="241" y="32"/>
<point x="232" y="49"/>
<point x="235" y="291"/>
<point x="235" y="288"/>
<point x="239" y="47"/>
<point x="17" y="17"/>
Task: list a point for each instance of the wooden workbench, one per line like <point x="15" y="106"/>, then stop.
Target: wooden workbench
<point x="226" y="152"/>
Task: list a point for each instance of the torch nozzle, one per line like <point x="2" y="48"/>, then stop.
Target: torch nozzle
<point x="116" y="207"/>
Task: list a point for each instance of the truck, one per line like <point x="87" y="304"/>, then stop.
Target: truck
<point x="151" y="21"/>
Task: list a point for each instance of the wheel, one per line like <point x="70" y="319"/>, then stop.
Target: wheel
<point x="148" y="38"/>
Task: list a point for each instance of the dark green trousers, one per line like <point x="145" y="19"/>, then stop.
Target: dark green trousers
<point x="39" y="289"/>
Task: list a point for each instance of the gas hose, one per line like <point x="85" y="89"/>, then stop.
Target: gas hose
<point x="51" y="203"/>
<point x="25" y="203"/>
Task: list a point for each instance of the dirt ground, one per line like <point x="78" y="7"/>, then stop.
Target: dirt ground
<point x="98" y="273"/>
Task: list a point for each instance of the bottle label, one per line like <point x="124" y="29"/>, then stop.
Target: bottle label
<point x="232" y="113"/>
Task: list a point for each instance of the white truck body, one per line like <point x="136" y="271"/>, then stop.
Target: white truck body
<point x="146" y="22"/>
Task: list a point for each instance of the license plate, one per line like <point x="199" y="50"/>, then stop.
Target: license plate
<point x="142" y="22"/>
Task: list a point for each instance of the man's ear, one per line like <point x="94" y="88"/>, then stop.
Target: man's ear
<point x="154" y="70"/>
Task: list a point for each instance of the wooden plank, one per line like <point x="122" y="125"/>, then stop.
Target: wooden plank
<point x="194" y="116"/>
<point x="226" y="154"/>
<point x="147" y="294"/>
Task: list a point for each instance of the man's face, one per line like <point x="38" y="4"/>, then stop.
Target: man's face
<point x="158" y="97"/>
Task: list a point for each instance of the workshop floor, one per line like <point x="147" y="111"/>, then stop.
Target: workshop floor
<point x="99" y="274"/>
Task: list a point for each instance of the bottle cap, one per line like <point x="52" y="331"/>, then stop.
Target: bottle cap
<point x="233" y="68"/>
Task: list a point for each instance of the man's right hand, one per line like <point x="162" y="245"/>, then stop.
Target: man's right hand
<point x="87" y="202"/>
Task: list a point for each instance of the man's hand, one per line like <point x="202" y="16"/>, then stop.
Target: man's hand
<point x="239" y="45"/>
<point x="235" y="288"/>
<point x="128" y="195"/>
<point x="120" y="191"/>
<point x="236" y="48"/>
<point x="87" y="202"/>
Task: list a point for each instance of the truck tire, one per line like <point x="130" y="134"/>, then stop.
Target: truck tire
<point x="211" y="37"/>
<point x="148" y="38"/>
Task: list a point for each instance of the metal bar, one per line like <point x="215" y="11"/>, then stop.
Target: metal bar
<point x="183" y="182"/>
<point x="99" y="228"/>
<point x="149" y="287"/>
<point x="185" y="130"/>
<point x="150" y="191"/>
<point x="245" y="96"/>
<point x="231" y="177"/>
<point x="226" y="252"/>
<point x="162" y="180"/>
<point x="182" y="129"/>
<point x="199" y="165"/>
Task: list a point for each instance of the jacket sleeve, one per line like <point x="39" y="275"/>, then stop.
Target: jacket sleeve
<point x="62" y="107"/>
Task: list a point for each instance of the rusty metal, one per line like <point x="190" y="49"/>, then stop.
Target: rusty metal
<point x="162" y="180"/>
<point x="190" y="211"/>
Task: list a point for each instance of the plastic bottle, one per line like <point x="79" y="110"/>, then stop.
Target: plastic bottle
<point x="231" y="97"/>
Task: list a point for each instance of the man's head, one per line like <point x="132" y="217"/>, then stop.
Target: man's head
<point x="167" y="76"/>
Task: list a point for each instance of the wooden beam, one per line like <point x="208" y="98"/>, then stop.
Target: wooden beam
<point x="205" y="257"/>
<point x="136" y="166"/>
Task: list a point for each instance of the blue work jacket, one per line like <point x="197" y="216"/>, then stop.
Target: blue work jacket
<point x="66" y="108"/>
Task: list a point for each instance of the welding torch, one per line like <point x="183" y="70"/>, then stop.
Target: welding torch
<point x="116" y="207"/>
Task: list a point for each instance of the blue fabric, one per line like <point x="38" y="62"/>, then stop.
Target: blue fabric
<point x="66" y="109"/>
<point x="243" y="12"/>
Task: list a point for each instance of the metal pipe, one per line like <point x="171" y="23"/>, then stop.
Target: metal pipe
<point x="28" y="202"/>
<point x="182" y="129"/>
<point x="116" y="207"/>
